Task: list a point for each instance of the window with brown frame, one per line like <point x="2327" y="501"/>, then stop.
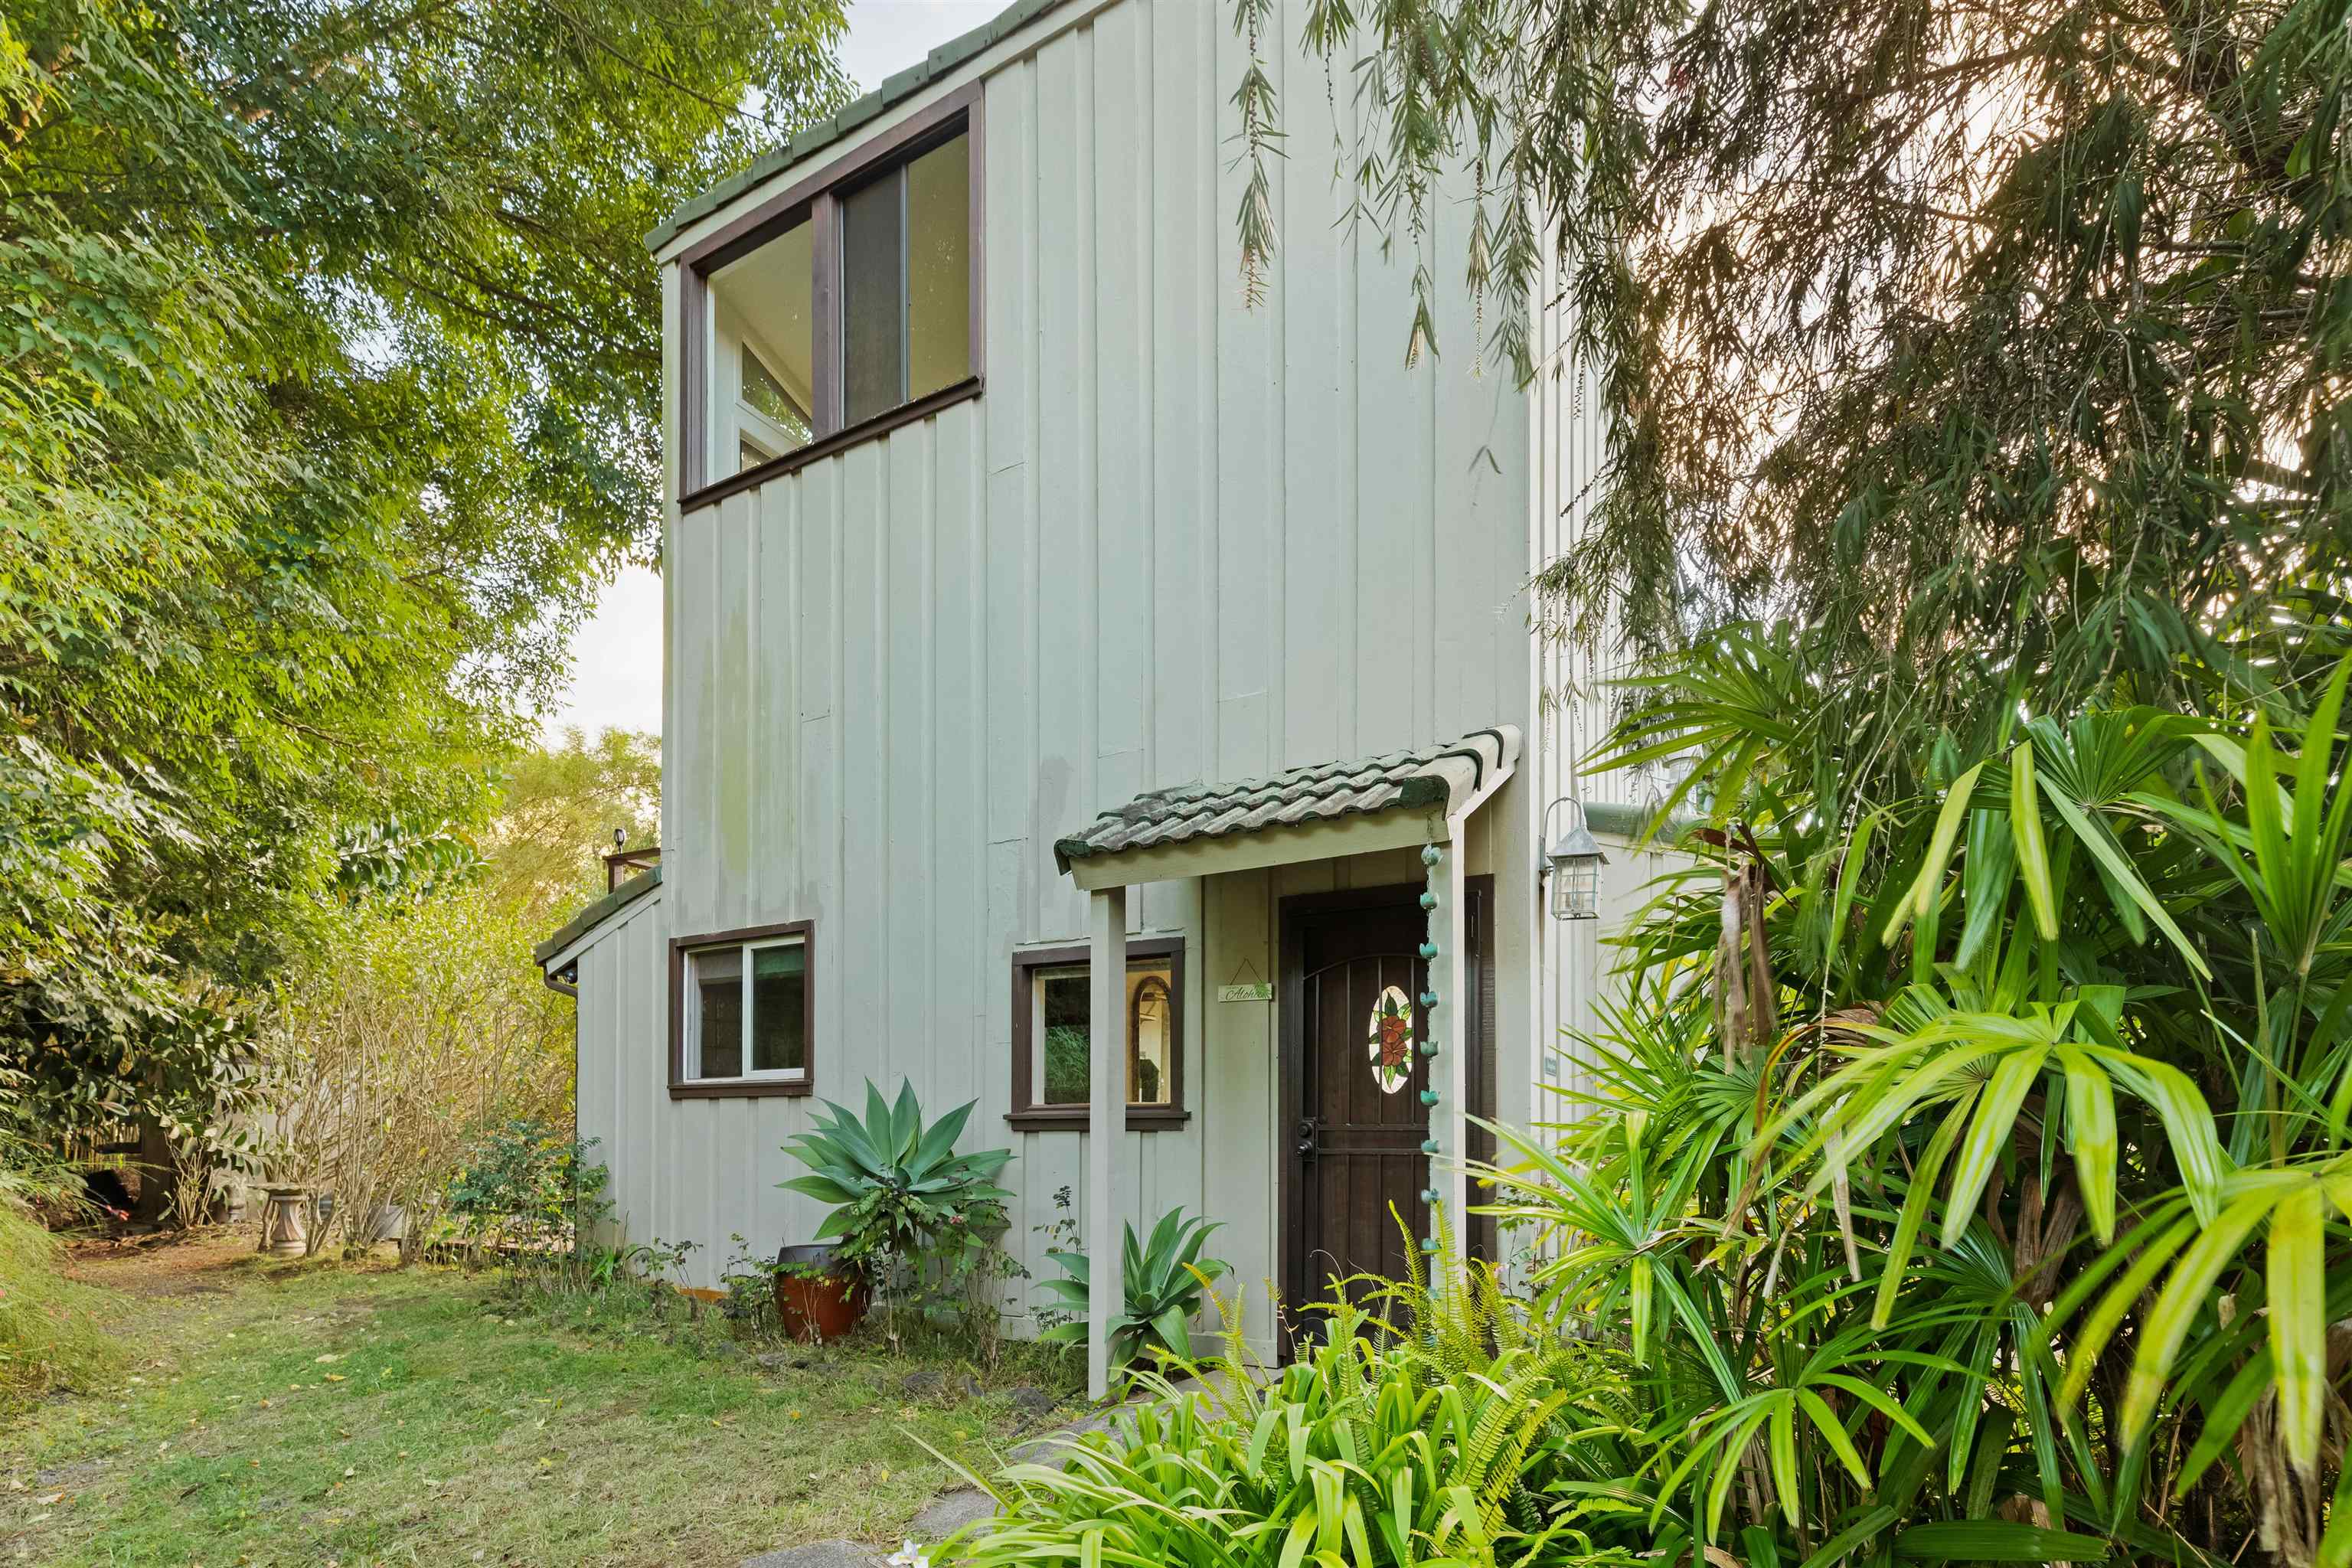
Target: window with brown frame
<point x="1053" y="1033"/>
<point x="742" y="1012"/>
<point x="840" y="307"/>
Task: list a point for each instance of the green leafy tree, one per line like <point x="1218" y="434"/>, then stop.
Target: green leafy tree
<point x="558" y="809"/>
<point x="329" y="373"/>
<point x="1997" y="343"/>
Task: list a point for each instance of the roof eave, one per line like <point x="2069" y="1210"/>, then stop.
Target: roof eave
<point x="596" y="914"/>
<point x="896" y="89"/>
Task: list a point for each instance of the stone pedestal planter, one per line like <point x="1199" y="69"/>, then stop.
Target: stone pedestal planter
<point x="286" y="1221"/>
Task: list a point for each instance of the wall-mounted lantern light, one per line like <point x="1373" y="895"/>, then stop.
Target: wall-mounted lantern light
<point x="1574" y="862"/>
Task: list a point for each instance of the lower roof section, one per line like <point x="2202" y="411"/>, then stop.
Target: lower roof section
<point x="596" y="914"/>
<point x="1310" y="813"/>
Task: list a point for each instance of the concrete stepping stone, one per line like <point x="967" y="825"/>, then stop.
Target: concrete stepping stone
<point x="820" y="1554"/>
<point x="949" y="1512"/>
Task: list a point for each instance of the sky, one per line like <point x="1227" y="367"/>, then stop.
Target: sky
<point x="616" y="655"/>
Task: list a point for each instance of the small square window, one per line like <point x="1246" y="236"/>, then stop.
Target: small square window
<point x="743" y="1012"/>
<point x="1053" y="1033"/>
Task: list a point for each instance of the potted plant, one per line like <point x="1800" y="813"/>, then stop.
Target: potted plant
<point x="818" y="1298"/>
<point x="899" y="1193"/>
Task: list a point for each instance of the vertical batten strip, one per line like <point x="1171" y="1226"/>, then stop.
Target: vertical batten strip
<point x="1434" y="993"/>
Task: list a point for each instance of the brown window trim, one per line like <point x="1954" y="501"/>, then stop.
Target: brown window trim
<point x="683" y="1088"/>
<point x="799" y="458"/>
<point x="1027" y="1115"/>
<point x="814" y="200"/>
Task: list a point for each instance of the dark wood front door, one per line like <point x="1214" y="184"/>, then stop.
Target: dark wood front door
<point x="1353" y="1076"/>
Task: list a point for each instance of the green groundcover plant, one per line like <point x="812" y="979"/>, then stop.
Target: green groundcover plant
<point x="1435" y="1441"/>
<point x="51" y="1336"/>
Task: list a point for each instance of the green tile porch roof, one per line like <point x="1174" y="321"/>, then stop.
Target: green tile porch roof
<point x="1440" y="776"/>
<point x="596" y="914"/>
<point x="896" y="89"/>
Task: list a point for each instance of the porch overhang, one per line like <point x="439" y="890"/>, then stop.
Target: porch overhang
<point x="1397" y="801"/>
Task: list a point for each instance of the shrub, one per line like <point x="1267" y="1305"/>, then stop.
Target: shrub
<point x="1365" y="1451"/>
<point x="1965" y="1175"/>
<point x="921" y="1222"/>
<point x="526" y="1186"/>
<point x="418" y="1025"/>
<point x="50" y="1334"/>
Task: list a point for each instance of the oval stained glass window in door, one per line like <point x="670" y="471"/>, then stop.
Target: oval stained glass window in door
<point x="1390" y="1044"/>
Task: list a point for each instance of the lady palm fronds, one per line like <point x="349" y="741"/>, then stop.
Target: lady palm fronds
<point x="2037" y="1205"/>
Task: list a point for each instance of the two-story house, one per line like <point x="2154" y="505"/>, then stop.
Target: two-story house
<point x="1090" y="692"/>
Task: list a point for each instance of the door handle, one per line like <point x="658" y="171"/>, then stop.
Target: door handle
<point x="1308" y="1129"/>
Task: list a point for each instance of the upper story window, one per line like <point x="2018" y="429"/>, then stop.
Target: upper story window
<point x="906" y="280"/>
<point x="844" y="305"/>
<point x="764" y="360"/>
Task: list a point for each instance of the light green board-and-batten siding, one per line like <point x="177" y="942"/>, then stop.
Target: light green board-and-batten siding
<point x="1176" y="539"/>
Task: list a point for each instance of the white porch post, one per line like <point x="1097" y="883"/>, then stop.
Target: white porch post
<point x="1105" y="1123"/>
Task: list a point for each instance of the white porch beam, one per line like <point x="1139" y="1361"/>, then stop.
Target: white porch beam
<point x="1105" y="1123"/>
<point x="1331" y="839"/>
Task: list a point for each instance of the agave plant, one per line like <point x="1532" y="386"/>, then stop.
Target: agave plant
<point x="1165" y="1281"/>
<point x="898" y="1186"/>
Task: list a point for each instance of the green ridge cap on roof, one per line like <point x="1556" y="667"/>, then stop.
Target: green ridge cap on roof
<point x="895" y="87"/>
<point x="596" y="914"/>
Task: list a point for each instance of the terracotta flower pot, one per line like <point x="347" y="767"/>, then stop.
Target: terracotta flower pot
<point x="818" y="1306"/>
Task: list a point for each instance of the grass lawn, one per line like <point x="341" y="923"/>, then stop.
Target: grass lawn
<point x="316" y="1413"/>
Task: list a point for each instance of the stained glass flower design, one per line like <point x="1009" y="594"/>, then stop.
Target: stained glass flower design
<point x="1390" y="1048"/>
